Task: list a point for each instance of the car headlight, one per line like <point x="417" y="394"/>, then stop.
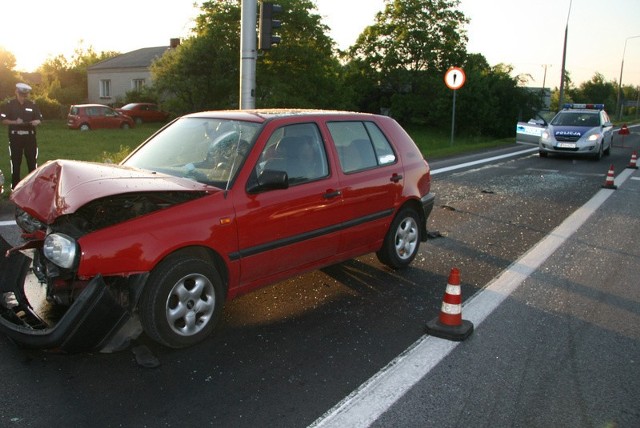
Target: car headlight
<point x="545" y="135"/>
<point x="593" y="137"/>
<point x="60" y="249"/>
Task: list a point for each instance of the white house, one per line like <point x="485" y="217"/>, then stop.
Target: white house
<point x="109" y="80"/>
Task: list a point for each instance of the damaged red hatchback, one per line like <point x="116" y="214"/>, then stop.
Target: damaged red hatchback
<point x="214" y="205"/>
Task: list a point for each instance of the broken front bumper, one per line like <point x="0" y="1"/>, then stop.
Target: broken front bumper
<point x="89" y="323"/>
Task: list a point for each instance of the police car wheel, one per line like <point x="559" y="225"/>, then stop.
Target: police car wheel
<point x="598" y="155"/>
<point x="543" y="154"/>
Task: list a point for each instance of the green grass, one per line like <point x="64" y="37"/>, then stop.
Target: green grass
<point x="436" y="143"/>
<point x="56" y="141"/>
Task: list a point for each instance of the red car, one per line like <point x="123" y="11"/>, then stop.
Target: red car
<point x="144" y="112"/>
<point x="214" y="205"/>
<point x="95" y="116"/>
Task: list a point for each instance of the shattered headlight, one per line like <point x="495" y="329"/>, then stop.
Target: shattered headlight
<point x="60" y="249"/>
<point x="27" y="222"/>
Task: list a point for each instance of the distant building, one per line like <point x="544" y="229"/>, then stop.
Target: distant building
<point x="108" y="81"/>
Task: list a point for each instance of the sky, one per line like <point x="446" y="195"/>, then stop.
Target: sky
<point x="525" y="34"/>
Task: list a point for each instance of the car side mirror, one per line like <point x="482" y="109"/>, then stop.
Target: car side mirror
<point x="607" y="124"/>
<point x="269" y="179"/>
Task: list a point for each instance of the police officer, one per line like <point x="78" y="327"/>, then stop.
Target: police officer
<point x="22" y="116"/>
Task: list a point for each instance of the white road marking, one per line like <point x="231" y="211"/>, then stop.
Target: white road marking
<point x="364" y="405"/>
<point x="480" y="161"/>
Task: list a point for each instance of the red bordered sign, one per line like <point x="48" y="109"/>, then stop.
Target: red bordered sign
<point x="454" y="78"/>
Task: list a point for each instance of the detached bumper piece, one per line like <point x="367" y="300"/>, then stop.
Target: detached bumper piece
<point x="87" y="325"/>
<point x="427" y="202"/>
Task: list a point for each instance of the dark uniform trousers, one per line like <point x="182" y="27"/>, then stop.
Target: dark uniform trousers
<point x="22" y="142"/>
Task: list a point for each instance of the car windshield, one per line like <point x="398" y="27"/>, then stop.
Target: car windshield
<point x="576" y="119"/>
<point x="128" y="107"/>
<point x="206" y="150"/>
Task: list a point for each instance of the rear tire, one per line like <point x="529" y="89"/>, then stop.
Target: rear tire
<point x="402" y="242"/>
<point x="182" y="301"/>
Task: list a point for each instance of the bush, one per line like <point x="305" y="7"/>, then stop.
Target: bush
<point x="50" y="109"/>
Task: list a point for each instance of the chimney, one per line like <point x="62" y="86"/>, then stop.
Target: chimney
<point x="174" y="43"/>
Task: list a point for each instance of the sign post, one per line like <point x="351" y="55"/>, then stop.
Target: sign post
<point x="454" y="78"/>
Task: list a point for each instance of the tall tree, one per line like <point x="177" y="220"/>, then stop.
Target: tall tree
<point x="203" y="72"/>
<point x="410" y="40"/>
<point x="303" y="69"/>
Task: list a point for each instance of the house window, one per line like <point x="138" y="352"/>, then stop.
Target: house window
<point x="105" y="88"/>
<point x="137" y="84"/>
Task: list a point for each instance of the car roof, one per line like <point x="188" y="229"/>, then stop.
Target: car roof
<point x="261" y="115"/>
<point x="90" y="105"/>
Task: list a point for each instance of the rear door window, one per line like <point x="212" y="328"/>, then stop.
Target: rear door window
<point x="360" y="145"/>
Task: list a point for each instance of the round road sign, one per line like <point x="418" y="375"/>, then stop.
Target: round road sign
<point x="454" y="78"/>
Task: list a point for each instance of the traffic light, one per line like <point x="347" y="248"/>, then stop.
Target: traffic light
<point x="266" y="25"/>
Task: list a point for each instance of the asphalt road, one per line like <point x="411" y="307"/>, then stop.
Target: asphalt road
<point x="287" y="354"/>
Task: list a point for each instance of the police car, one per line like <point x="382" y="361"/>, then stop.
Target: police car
<point x="578" y="129"/>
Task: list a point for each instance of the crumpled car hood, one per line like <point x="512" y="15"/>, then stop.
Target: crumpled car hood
<point x="60" y="187"/>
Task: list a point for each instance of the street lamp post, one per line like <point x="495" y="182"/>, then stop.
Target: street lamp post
<point x="618" y="102"/>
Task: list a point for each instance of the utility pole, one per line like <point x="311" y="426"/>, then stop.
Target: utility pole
<point x="618" y="103"/>
<point x="544" y="78"/>
<point x="248" y="54"/>
<point x="564" y="57"/>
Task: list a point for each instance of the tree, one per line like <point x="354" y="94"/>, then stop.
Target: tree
<point x="203" y="71"/>
<point x="65" y="80"/>
<point x="8" y="77"/>
<point x="303" y="69"/>
<point x="597" y="91"/>
<point x="410" y="41"/>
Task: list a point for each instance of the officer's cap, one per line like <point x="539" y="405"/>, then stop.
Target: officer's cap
<point x="23" y="88"/>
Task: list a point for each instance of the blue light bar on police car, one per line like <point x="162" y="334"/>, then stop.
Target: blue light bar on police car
<point x="584" y="106"/>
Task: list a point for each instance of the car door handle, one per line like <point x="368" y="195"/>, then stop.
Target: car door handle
<point x="396" y="177"/>
<point x="332" y="194"/>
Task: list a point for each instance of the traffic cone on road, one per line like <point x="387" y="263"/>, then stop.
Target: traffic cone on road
<point x="608" y="183"/>
<point x="633" y="161"/>
<point x="449" y="324"/>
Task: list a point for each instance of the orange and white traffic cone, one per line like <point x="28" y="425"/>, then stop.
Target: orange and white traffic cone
<point x="449" y="324"/>
<point x="633" y="161"/>
<point x="608" y="183"/>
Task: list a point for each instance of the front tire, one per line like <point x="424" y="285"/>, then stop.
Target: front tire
<point x="182" y="301"/>
<point x="402" y="241"/>
<point x="598" y="155"/>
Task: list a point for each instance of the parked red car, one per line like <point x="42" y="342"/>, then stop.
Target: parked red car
<point x="144" y="112"/>
<point x="94" y="116"/>
<point x="215" y="205"/>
